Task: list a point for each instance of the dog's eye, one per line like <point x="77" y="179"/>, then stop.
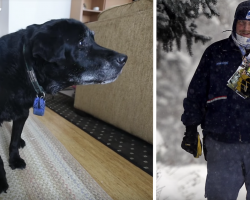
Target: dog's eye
<point x="80" y="44"/>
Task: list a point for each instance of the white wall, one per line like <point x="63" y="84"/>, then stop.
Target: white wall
<point x="23" y="13"/>
<point x="4" y="17"/>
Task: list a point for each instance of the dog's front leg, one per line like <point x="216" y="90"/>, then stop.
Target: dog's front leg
<point x="15" y="160"/>
<point x="3" y="181"/>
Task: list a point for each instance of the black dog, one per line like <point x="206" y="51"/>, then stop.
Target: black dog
<point x="62" y="53"/>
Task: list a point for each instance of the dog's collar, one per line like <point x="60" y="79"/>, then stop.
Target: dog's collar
<point x="39" y="89"/>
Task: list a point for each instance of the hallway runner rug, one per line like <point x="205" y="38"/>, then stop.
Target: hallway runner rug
<point x="51" y="171"/>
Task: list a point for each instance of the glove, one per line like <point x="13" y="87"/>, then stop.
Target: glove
<point x="192" y="144"/>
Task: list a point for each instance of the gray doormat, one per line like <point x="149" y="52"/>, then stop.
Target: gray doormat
<point x="135" y="150"/>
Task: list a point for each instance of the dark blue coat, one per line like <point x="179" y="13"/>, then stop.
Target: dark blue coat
<point x="222" y="113"/>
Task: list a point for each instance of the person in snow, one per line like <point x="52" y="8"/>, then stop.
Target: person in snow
<point x="223" y="115"/>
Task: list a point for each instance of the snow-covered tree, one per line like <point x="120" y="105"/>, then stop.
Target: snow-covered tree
<point x="176" y="18"/>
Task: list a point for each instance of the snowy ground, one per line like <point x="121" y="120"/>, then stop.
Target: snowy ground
<point x="184" y="183"/>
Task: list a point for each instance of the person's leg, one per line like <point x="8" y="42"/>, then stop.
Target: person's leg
<point x="246" y="153"/>
<point x="224" y="170"/>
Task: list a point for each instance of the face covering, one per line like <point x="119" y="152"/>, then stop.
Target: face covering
<point x="243" y="41"/>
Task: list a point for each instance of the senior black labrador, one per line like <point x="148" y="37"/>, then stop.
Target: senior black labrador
<point x="61" y="53"/>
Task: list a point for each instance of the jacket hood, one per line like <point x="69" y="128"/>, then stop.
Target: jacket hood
<point x="242" y="13"/>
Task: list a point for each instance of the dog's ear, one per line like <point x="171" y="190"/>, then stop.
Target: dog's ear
<point x="48" y="46"/>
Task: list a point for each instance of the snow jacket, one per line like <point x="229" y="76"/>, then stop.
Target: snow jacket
<point x="222" y="113"/>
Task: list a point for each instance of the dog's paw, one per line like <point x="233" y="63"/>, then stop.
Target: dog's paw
<point x="22" y="143"/>
<point x="17" y="163"/>
<point x="3" y="185"/>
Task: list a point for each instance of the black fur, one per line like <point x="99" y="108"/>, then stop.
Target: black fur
<point x="62" y="53"/>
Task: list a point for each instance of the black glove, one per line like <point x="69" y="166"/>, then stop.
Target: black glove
<point x="192" y="144"/>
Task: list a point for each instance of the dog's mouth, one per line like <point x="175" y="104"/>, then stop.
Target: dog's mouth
<point x="110" y="80"/>
<point x="96" y="79"/>
<point x="86" y="79"/>
<point x="96" y="82"/>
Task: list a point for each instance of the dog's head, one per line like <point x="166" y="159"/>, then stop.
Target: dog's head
<point x="70" y="55"/>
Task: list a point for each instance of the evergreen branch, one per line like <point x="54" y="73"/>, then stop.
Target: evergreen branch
<point x="173" y="17"/>
<point x="210" y="4"/>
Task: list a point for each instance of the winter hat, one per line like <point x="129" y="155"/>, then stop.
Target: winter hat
<point x="242" y="13"/>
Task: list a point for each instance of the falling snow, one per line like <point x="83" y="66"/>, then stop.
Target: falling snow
<point x="181" y="176"/>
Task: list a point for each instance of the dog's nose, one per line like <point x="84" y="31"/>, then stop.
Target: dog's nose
<point x="121" y="59"/>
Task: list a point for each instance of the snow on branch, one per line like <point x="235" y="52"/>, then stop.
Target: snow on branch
<point x="174" y="16"/>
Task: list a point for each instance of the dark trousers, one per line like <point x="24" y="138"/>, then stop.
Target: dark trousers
<point x="228" y="168"/>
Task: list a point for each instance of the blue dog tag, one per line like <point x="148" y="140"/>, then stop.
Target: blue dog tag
<point x="39" y="106"/>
